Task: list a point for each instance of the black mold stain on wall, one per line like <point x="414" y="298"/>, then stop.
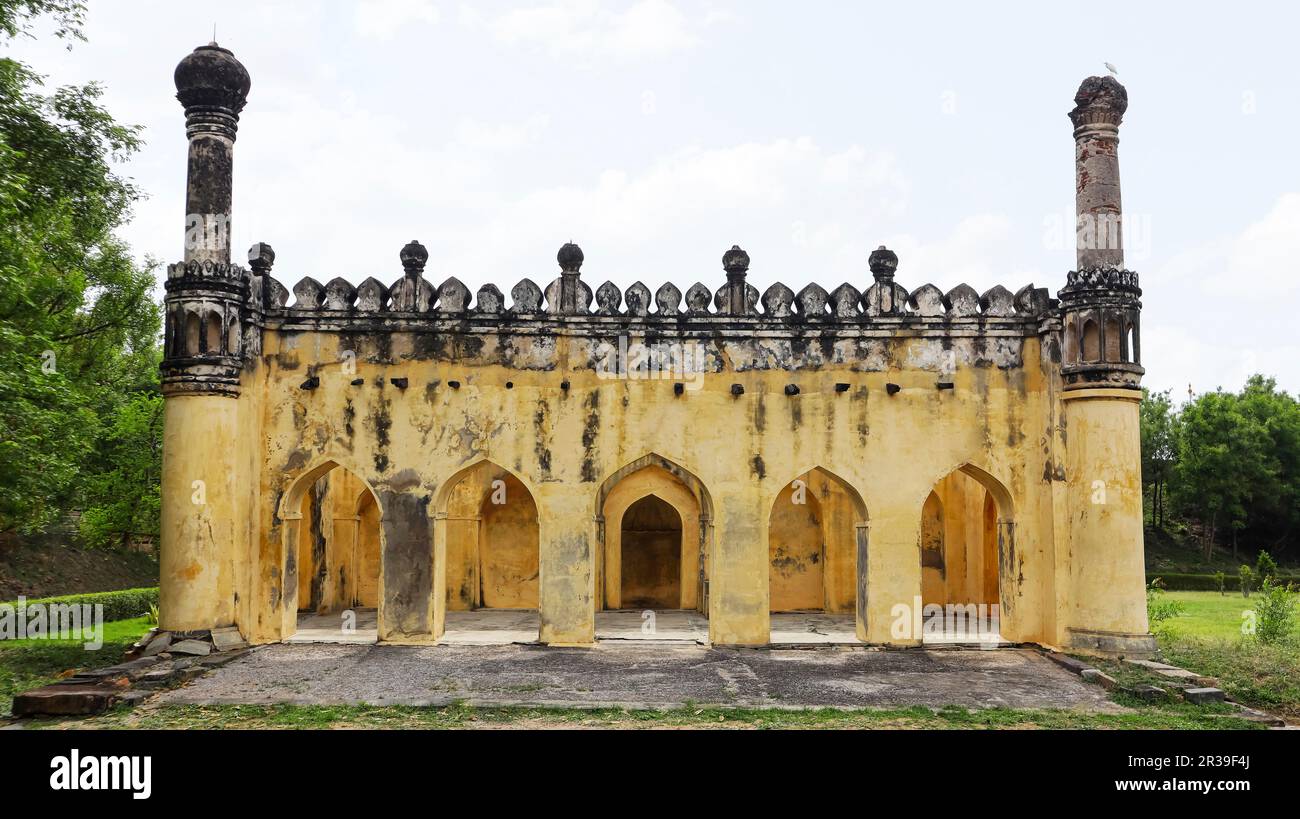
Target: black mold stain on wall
<point x="407" y="561"/>
<point x="380" y="422"/>
<point x="540" y="449"/>
<point x="590" y="430"/>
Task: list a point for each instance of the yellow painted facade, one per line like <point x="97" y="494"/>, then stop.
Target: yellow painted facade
<point x="425" y="451"/>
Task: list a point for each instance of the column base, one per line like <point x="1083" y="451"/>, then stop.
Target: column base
<point x="1110" y="643"/>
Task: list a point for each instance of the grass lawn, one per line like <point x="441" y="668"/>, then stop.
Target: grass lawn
<point x="27" y="664"/>
<point x="1143" y="716"/>
<point x="1207" y="638"/>
<point x="1210" y="614"/>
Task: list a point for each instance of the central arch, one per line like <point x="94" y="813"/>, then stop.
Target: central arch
<point x="654" y="524"/>
<point x="650" y="556"/>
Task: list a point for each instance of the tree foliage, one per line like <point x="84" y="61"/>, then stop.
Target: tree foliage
<point x="78" y="322"/>
<point x="1230" y="463"/>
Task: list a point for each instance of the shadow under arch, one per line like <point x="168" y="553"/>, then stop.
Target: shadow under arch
<point x="290" y="514"/>
<point x="845" y="556"/>
<point x="486" y="548"/>
<point x="687" y="495"/>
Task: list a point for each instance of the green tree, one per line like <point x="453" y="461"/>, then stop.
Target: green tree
<point x="122" y="492"/>
<point x="78" y="324"/>
<point x="1273" y="517"/>
<point x="1159" y="449"/>
<point x="1223" y="462"/>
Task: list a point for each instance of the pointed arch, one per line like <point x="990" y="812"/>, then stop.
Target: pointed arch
<point x="322" y="566"/>
<point x="655" y="459"/>
<point x="486" y="540"/>
<point x="973" y="527"/>
<point x="653" y="475"/>
<point x="817" y="526"/>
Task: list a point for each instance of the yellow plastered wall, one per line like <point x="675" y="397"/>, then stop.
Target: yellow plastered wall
<point x="744" y="450"/>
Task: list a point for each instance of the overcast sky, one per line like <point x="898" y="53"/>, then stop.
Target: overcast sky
<point x="657" y="133"/>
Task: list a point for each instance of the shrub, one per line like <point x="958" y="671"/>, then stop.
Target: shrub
<point x="1159" y="610"/>
<point x="1265" y="566"/>
<point x="1274" y="612"/>
<point x="118" y="605"/>
<point x="1221" y="580"/>
<point x="1247" y="580"/>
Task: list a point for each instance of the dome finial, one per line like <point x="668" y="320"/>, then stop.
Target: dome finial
<point x="570" y="257"/>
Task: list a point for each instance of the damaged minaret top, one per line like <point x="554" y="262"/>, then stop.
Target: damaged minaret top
<point x="1099" y="108"/>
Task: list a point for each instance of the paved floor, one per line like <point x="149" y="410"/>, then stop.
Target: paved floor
<point x="489" y="627"/>
<point x="640" y="674"/>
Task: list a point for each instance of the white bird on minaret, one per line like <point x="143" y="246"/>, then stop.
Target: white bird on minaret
<point x="1112" y="69"/>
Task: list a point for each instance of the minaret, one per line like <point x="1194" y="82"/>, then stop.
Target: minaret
<point x="1101" y="298"/>
<point x="204" y="481"/>
<point x="1100" y="306"/>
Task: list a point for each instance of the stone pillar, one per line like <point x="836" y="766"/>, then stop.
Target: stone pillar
<point x="1099" y="108"/>
<point x="736" y="263"/>
<point x="205" y="478"/>
<point x="1106" y="611"/>
<point x="570" y="258"/>
<point x="567" y="587"/>
<point x="882" y="298"/>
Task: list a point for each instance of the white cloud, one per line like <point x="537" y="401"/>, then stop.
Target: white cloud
<point x="587" y="28"/>
<point x="1198" y="308"/>
<point x="383" y="19"/>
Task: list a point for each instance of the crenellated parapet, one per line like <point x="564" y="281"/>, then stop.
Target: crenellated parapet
<point x="568" y="302"/>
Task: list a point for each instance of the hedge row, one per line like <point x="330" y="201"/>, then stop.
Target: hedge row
<point x="118" y="605"/>
<point x="1208" y="582"/>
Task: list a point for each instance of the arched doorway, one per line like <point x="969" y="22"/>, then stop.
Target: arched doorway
<point x="966" y="530"/>
<point x="334" y="557"/>
<point x="486" y="534"/>
<point x="653" y="523"/>
<point x="815" y="529"/>
<point x="651" y="558"/>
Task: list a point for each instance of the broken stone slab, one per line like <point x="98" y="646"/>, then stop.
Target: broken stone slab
<point x="146" y="639"/>
<point x="113" y="677"/>
<point x="1103" y="679"/>
<point x="191" y="647"/>
<point x="157" y="678"/>
<point x="66" y="700"/>
<point x="133" y="698"/>
<point x="218" y="660"/>
<point x="1149" y="693"/>
<point x="1173" y="672"/>
<point x="1069" y="663"/>
<point x="158" y="644"/>
<point x="1203" y="696"/>
<point x="1152" y="665"/>
<point x="228" y="639"/>
<point x="1253" y="715"/>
